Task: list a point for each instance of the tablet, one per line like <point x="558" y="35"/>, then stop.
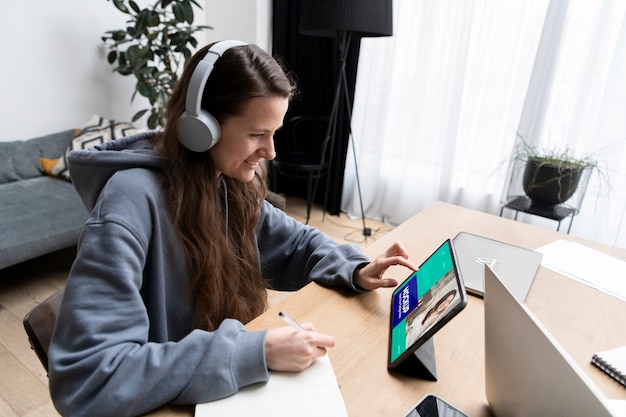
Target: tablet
<point x="424" y="303"/>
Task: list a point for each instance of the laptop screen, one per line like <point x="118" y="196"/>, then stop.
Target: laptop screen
<point x="527" y="372"/>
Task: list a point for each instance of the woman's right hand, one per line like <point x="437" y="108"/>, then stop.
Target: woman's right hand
<point x="291" y="350"/>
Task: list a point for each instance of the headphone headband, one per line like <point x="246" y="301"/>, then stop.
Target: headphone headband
<point x="201" y="74"/>
<point x="198" y="130"/>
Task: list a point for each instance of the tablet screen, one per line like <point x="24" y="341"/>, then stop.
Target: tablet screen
<point x="424" y="302"/>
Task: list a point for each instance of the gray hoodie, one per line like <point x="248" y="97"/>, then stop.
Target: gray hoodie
<point x="124" y="342"/>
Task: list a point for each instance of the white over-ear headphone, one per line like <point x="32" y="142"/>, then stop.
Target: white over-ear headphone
<point x="197" y="129"/>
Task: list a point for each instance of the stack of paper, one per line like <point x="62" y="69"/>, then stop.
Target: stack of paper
<point x="586" y="265"/>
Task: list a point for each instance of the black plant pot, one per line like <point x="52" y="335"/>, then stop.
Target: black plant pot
<point x="547" y="184"/>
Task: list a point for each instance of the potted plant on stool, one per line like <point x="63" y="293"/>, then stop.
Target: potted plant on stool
<point x="548" y="182"/>
<point x="552" y="177"/>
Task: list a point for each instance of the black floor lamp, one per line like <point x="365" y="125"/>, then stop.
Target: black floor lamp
<point x="344" y="20"/>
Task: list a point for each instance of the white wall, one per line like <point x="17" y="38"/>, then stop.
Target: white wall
<point x="54" y="74"/>
<point x="246" y="20"/>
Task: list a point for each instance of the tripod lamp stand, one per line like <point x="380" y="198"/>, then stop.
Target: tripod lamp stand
<point x="344" y="20"/>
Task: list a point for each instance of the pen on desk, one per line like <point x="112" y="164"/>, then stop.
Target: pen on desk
<point x="290" y="321"/>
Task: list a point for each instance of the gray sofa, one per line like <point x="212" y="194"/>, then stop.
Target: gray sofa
<point x="39" y="214"/>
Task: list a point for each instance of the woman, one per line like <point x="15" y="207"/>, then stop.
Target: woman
<point x="180" y="247"/>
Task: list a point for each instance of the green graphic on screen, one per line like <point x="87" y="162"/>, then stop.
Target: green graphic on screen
<point x="409" y="298"/>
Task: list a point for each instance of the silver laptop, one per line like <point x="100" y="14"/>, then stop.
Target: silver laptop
<point x="527" y="372"/>
<point x="516" y="265"/>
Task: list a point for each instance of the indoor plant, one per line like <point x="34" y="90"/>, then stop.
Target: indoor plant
<point x="153" y="47"/>
<point x="552" y="176"/>
<point x="550" y="181"/>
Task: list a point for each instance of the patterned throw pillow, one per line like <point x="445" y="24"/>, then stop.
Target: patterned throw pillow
<point x="97" y="131"/>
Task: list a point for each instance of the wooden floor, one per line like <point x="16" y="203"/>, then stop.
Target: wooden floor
<point x="23" y="381"/>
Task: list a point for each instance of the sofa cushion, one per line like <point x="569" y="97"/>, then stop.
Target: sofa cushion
<point x="97" y="131"/>
<point x="38" y="216"/>
<point x="20" y="159"/>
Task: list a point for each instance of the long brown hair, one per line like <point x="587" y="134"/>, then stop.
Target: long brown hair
<point x="222" y="259"/>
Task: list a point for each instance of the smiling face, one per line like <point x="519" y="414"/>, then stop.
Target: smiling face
<point x="248" y="138"/>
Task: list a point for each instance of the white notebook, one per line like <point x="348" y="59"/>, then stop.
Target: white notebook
<point x="313" y="392"/>
<point x="613" y="362"/>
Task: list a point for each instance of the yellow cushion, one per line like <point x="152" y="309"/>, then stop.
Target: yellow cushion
<point x="47" y="164"/>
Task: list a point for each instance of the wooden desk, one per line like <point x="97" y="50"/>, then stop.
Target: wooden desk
<point x="582" y="319"/>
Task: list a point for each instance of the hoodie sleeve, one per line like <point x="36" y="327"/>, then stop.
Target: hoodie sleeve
<point x="111" y="355"/>
<point x="293" y="254"/>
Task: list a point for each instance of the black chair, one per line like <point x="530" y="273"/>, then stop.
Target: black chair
<point x="301" y="153"/>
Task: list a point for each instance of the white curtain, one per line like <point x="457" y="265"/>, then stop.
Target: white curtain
<point x="439" y="104"/>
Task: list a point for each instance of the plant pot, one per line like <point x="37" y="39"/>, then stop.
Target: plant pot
<point x="549" y="184"/>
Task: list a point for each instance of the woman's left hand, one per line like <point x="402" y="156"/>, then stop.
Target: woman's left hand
<point x="370" y="277"/>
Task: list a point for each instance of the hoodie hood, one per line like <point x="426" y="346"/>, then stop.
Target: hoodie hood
<point x="90" y="169"/>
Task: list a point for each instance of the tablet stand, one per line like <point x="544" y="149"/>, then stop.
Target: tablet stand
<point x="421" y="364"/>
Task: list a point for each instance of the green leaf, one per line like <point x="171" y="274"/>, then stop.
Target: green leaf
<point x="179" y="13"/>
<point x="145" y="71"/>
<point x="143" y="19"/>
<point x="132" y="53"/>
<point x="122" y="58"/>
<point x="112" y="56"/>
<point x="139" y="65"/>
<point x="153" y="121"/>
<point x="176" y="38"/>
<point x="138" y="115"/>
<point x="196" y="4"/>
<point x="120" y="6"/>
<point x="154" y="19"/>
<point x="146" y="90"/>
<point x="116" y="35"/>
<point x="123" y="71"/>
<point x="187" y="12"/>
<point x="134" y="6"/>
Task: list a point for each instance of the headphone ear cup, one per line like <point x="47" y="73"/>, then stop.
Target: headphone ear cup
<point x="198" y="130"/>
<point x="198" y="133"/>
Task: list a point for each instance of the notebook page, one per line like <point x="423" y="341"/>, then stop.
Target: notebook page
<point x="618" y="407"/>
<point x="313" y="392"/>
